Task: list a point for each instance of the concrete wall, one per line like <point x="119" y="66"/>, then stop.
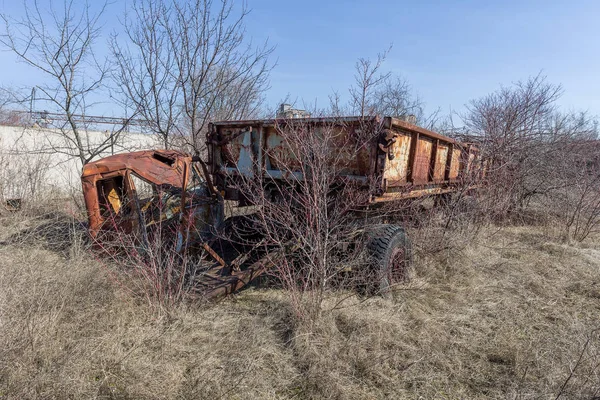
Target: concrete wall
<point x="36" y="161"/>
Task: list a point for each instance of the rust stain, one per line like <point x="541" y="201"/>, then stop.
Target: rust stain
<point x="422" y="160"/>
<point x="455" y="165"/>
<point x="440" y="163"/>
<point x="397" y="167"/>
<point x="343" y="146"/>
<point x="106" y="183"/>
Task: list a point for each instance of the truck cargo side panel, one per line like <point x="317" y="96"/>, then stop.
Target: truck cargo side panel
<point x="238" y="151"/>
<point x="440" y="163"/>
<point x="396" y="170"/>
<point x="277" y="153"/>
<point x="389" y="157"/>
<point x="422" y="160"/>
<point x="471" y="163"/>
<point x="455" y="165"/>
<point x="342" y="145"/>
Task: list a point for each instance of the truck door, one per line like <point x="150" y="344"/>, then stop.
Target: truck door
<point x="115" y="205"/>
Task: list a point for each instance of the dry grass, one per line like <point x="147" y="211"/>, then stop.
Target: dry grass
<point x="507" y="315"/>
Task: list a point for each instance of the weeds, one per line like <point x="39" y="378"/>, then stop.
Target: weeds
<point x="509" y="312"/>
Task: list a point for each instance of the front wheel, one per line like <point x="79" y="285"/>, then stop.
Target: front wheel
<point x="390" y="256"/>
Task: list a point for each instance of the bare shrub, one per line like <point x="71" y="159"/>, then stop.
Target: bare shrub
<point x="512" y="124"/>
<point x="538" y="156"/>
<point x="150" y="262"/>
<point x="574" y="198"/>
<point x="443" y="233"/>
<point x="311" y="211"/>
<point x="22" y="177"/>
<point x="32" y="180"/>
<point x="582" y="218"/>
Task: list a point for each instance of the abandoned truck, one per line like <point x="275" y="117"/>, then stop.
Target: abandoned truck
<point x="391" y="161"/>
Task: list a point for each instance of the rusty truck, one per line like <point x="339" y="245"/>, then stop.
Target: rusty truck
<point x="137" y="192"/>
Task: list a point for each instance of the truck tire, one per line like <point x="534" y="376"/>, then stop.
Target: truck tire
<point x="390" y="254"/>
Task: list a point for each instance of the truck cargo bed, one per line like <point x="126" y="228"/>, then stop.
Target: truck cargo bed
<point x="388" y="156"/>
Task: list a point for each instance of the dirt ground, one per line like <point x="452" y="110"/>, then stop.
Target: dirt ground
<point x="508" y="313"/>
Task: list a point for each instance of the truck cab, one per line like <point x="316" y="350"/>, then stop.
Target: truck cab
<point x="135" y="193"/>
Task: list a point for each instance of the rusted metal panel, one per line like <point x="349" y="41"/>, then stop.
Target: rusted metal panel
<point x="412" y="157"/>
<point x="449" y="162"/>
<point x="440" y="163"/>
<point x="433" y="159"/>
<point x="403" y="125"/>
<point x="341" y="141"/>
<point x="113" y="203"/>
<point x="470" y="163"/>
<point x="422" y="160"/>
<point x="396" y="170"/>
<point x="237" y="149"/>
<point x="455" y="163"/>
<point x="411" y="194"/>
<point x="156" y="166"/>
<point x="278" y="154"/>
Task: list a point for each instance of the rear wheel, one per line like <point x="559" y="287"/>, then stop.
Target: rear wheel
<point x="390" y="255"/>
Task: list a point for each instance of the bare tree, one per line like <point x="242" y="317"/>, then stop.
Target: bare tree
<point x="394" y="98"/>
<point x="145" y="69"/>
<point x="375" y="92"/>
<point x="367" y="78"/>
<point x="59" y="41"/>
<point x="190" y="62"/>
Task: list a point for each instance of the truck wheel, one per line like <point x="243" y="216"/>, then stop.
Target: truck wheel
<point x="390" y="254"/>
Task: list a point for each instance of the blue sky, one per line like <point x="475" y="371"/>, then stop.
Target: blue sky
<point x="450" y="51"/>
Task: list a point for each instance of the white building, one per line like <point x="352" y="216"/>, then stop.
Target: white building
<point x="287" y="111"/>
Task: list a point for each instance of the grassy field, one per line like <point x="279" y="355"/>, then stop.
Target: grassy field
<point x="507" y="313"/>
